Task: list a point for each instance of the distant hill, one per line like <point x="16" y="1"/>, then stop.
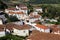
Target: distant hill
<point x="44" y="1"/>
<point x="34" y="1"/>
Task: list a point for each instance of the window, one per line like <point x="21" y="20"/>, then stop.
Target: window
<point x="12" y="31"/>
<point x="24" y="31"/>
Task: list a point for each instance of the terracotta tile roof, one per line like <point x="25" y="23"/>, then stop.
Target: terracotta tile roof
<point x="37" y="21"/>
<point x="19" y="27"/>
<point x="36" y="35"/>
<point x="31" y="14"/>
<point x="10" y="26"/>
<point x="41" y="26"/>
<point x="16" y="13"/>
<point x="34" y="16"/>
<point x="55" y="28"/>
<point x="23" y="27"/>
<point x="11" y="8"/>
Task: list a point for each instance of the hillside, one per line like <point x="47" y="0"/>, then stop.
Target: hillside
<point x="34" y="1"/>
<point x="44" y="1"/>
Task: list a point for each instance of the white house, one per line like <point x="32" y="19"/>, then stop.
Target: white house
<point x="55" y="29"/>
<point x="2" y="31"/>
<point x="25" y="10"/>
<point x="20" y="30"/>
<point x="38" y="9"/>
<point x="33" y="16"/>
<point x="20" y="8"/>
<point x="10" y="9"/>
<point x="41" y="28"/>
<point x="19" y="15"/>
<point x="53" y="20"/>
<point x="20" y="12"/>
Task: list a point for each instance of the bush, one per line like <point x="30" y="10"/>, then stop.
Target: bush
<point x="13" y="37"/>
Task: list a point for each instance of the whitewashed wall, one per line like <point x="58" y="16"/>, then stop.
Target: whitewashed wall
<point x="39" y="10"/>
<point x="33" y="19"/>
<point x="21" y="32"/>
<point x="2" y="33"/>
<point x="40" y="29"/>
<point x="47" y="30"/>
<point x="1" y="22"/>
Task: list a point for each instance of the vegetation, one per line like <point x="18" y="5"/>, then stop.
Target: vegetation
<point x="3" y="6"/>
<point x="53" y="22"/>
<point x="44" y="1"/>
<point x="36" y="1"/>
<point x="12" y="37"/>
<point x="12" y="19"/>
<point x="50" y="11"/>
<point x="30" y="7"/>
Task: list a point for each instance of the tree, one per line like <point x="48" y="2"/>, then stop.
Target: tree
<point x="30" y="7"/>
<point x="3" y="6"/>
<point x="12" y="18"/>
<point x="11" y="37"/>
<point x="52" y="12"/>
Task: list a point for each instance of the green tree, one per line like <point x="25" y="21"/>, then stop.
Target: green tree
<point x="12" y="18"/>
<point x="11" y="37"/>
<point x="3" y="6"/>
<point x="30" y="7"/>
<point x="52" y="12"/>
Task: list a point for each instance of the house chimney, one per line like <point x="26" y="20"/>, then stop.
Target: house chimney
<point x="17" y="7"/>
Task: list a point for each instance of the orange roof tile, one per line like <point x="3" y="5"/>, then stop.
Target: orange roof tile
<point x="41" y="26"/>
<point x="19" y="27"/>
<point x="11" y="8"/>
<point x="34" y="16"/>
<point x="37" y="21"/>
<point x="36" y="35"/>
<point x="16" y="13"/>
<point x="55" y="28"/>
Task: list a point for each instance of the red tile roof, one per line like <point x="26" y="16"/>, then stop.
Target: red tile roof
<point x="41" y="26"/>
<point x="37" y="21"/>
<point x="11" y="8"/>
<point x="34" y="16"/>
<point x="16" y="13"/>
<point x="19" y="27"/>
<point x="22" y="5"/>
<point x="36" y="35"/>
<point x="55" y="28"/>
